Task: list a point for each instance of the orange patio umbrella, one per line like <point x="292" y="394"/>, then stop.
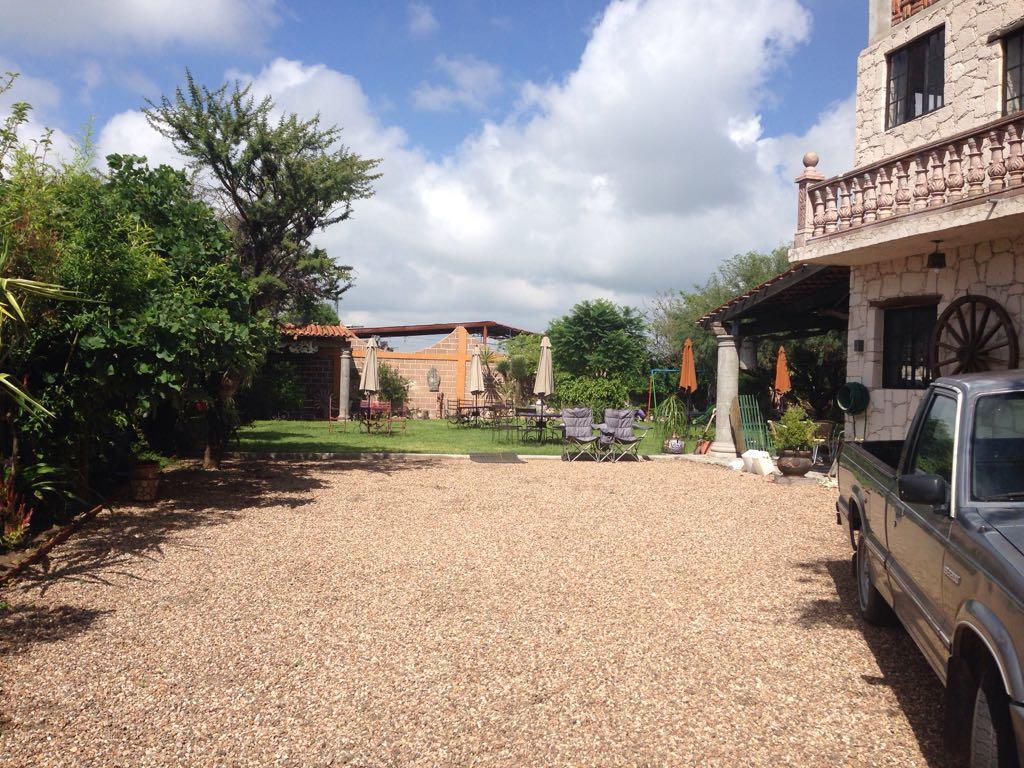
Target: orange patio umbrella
<point x="782" y="382"/>
<point x="687" y="369"/>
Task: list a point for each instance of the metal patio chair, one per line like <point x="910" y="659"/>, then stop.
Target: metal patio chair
<point x="619" y="437"/>
<point x="579" y="437"/>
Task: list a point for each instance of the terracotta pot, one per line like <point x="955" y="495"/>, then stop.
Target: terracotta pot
<point x="145" y="479"/>
<point x="794" y="463"/>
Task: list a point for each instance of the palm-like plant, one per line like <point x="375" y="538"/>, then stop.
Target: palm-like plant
<point x="13" y="291"/>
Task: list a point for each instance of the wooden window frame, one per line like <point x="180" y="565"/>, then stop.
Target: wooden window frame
<point x="895" y="335"/>
<point x="1016" y="64"/>
<point x="898" y="100"/>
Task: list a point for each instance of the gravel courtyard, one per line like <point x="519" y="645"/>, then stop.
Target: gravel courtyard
<point x="418" y="612"/>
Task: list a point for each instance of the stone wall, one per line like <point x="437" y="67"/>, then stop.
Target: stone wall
<point x="991" y="268"/>
<point x="973" y="75"/>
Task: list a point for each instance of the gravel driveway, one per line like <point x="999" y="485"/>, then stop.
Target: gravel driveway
<point x="418" y="612"/>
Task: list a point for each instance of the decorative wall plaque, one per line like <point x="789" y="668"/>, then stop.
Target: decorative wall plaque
<point x="433" y="380"/>
<point x="304" y="347"/>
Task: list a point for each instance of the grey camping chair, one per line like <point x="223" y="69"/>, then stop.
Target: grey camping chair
<point x="578" y="436"/>
<point x="619" y="437"/>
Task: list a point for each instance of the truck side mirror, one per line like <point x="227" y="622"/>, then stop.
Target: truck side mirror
<point x="923" y="489"/>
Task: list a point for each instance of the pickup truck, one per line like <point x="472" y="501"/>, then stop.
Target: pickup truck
<point x="936" y="522"/>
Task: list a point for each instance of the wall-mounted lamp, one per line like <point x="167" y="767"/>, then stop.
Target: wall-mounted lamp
<point x="936" y="259"/>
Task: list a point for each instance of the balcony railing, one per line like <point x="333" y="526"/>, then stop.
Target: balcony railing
<point x="983" y="161"/>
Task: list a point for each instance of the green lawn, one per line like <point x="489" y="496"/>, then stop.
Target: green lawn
<point x="420" y="436"/>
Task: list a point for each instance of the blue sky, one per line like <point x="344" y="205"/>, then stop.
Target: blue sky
<point x="505" y="154"/>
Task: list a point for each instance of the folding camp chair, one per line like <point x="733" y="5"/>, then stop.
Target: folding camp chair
<point x="618" y="435"/>
<point x="578" y="436"/>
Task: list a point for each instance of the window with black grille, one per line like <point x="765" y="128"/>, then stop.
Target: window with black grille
<point x="916" y="78"/>
<point x="907" y="334"/>
<point x="1013" y="74"/>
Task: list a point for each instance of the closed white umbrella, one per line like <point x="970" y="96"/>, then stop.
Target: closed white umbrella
<point x="369" y="381"/>
<point x="544" y="384"/>
<point x="476" y="374"/>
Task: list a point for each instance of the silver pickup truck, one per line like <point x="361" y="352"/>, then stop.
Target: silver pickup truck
<point x="937" y="525"/>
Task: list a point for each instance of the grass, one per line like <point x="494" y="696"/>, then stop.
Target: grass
<point x="420" y="436"/>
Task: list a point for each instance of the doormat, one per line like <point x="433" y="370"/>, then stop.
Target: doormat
<point x="495" y="458"/>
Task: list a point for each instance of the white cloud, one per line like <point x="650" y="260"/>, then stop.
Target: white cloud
<point x="422" y="21"/>
<point x="44" y="97"/>
<point x="129" y="133"/>
<point x="636" y="174"/>
<point x="472" y="83"/>
<point x="106" y="25"/>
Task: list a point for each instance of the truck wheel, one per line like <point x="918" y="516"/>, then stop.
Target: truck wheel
<point x="873" y="608"/>
<point x="992" y="741"/>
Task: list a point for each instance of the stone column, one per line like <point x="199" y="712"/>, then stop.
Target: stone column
<point x="344" y="383"/>
<point x="727" y="388"/>
<point x="748" y="355"/>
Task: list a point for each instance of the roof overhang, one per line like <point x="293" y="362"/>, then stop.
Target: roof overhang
<point x="805" y="300"/>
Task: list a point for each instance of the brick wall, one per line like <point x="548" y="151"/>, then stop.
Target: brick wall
<point x="904" y="9"/>
<point x="316" y="374"/>
<point x="448" y="356"/>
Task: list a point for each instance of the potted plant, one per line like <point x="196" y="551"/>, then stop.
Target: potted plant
<point x="793" y="435"/>
<point x="145" y="475"/>
<point x="672" y="421"/>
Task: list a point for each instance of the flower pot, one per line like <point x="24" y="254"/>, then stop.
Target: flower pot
<point x="794" y="463"/>
<point x="673" y="445"/>
<point x="145" y="479"/>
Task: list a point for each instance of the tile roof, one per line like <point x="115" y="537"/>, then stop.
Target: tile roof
<point x="317" y="331"/>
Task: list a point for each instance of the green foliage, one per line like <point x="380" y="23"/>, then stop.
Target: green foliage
<point x="600" y="339"/>
<point x="274" y="390"/>
<point x="518" y="368"/>
<point x="312" y="313"/>
<point x="794" y="430"/>
<point x="674" y="318"/>
<point x="394" y="387"/>
<point x="280" y="179"/>
<point x="671" y="417"/>
<point x="596" y="393"/>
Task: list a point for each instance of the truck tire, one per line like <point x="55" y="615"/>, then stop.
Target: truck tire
<point x="992" y="742"/>
<point x="873" y="608"/>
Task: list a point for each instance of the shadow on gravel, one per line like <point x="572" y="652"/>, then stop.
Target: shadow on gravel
<point x="103" y="551"/>
<point x="903" y="667"/>
<point x="26" y="625"/>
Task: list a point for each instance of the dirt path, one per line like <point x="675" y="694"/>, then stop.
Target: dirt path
<point x="450" y="613"/>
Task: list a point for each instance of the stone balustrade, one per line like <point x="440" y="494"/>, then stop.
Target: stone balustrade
<point x="984" y="161"/>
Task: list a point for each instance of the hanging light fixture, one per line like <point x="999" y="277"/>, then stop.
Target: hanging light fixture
<point x="936" y="259"/>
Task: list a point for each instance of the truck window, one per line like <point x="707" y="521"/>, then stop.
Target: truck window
<point x="933" y="454"/>
<point x="997" y="448"/>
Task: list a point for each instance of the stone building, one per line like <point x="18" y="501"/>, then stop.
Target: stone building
<point x="930" y="221"/>
<point x="919" y="249"/>
<point x="329" y="361"/>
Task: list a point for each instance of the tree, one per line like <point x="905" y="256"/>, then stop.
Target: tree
<point x="817" y="363"/>
<point x="278" y="180"/>
<point x="601" y="339"/>
<point x="675" y="315"/>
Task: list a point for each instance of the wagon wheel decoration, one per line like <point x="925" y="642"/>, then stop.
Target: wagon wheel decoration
<point x="973" y="334"/>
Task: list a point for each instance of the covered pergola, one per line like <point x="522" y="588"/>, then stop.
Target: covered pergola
<point x="805" y="300"/>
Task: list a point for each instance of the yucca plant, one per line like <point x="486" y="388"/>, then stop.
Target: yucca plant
<point x="671" y="418"/>
<point x="11" y="309"/>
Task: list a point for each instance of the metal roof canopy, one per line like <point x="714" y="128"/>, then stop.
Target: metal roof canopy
<point x="488" y="328"/>
<point x="805" y="300"/>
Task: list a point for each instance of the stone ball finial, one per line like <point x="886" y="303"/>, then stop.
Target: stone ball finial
<point x="811" y="160"/>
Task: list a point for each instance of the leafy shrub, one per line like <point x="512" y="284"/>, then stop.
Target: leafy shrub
<point x="591" y="392"/>
<point x="393" y="386"/>
<point x="794" y="430"/>
<point x="276" y="389"/>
